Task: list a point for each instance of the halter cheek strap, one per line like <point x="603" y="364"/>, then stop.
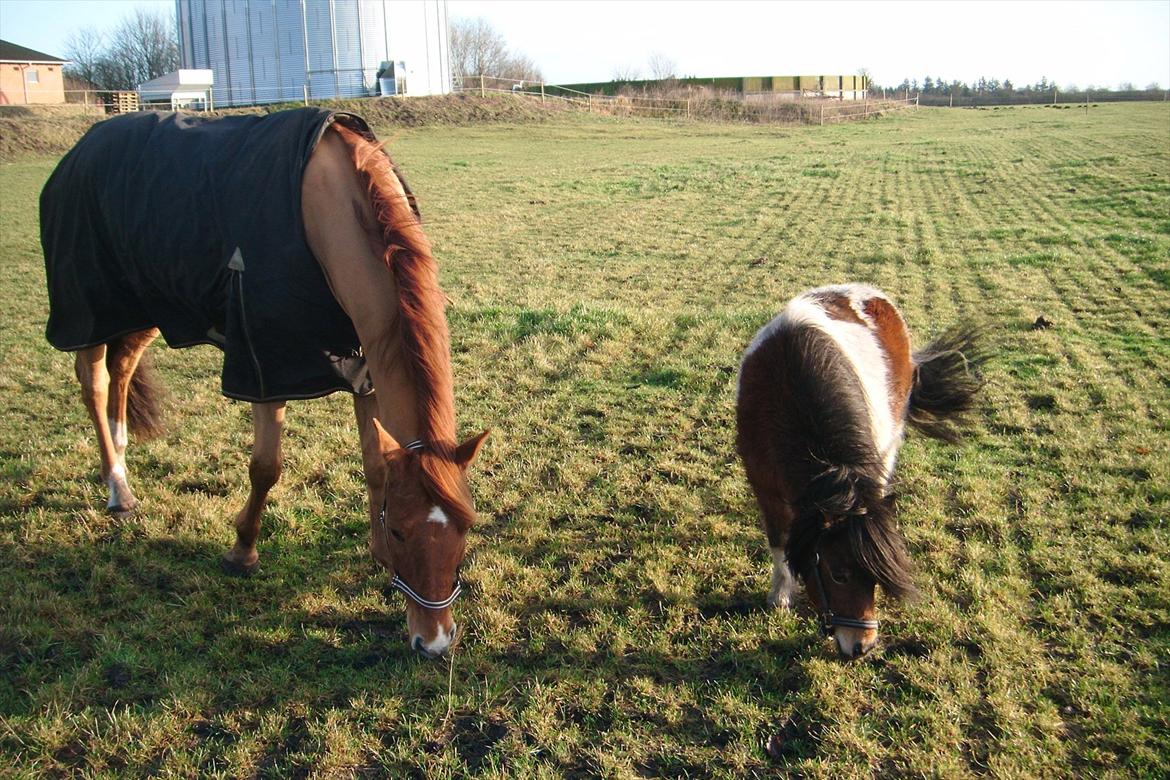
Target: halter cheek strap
<point x="400" y="584"/>
<point x="829" y="621"/>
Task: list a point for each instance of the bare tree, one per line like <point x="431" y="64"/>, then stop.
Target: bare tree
<point x="84" y="49"/>
<point x="627" y="73"/>
<point x="662" y="68"/>
<point x="478" y="49"/>
<point x="142" y="48"/>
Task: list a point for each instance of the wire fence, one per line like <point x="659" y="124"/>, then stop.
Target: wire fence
<point x="679" y="104"/>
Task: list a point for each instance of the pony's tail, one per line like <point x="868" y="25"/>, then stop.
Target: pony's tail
<point x="946" y="380"/>
<point x="144" y="408"/>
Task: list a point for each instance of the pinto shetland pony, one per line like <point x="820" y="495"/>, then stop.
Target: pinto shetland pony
<point x="825" y="391"/>
<point x="358" y="219"/>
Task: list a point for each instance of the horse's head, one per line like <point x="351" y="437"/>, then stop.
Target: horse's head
<point x="842" y="561"/>
<point x="420" y="530"/>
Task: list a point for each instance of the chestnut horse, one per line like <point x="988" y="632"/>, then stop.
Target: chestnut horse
<point x="825" y="391"/>
<point x="350" y="215"/>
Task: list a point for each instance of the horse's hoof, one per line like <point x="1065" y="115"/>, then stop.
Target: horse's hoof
<point x="123" y="512"/>
<point x="236" y="569"/>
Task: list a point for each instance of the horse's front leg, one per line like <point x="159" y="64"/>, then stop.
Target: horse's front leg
<point x="365" y="408"/>
<point x="263" y="472"/>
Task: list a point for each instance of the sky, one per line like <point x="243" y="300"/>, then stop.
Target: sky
<point x="1082" y="42"/>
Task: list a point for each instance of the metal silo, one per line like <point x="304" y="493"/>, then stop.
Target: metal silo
<point x="277" y="50"/>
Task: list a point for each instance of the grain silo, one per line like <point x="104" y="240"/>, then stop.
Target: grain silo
<point x="265" y="51"/>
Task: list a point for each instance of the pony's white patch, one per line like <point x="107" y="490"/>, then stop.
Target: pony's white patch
<point x="860" y="346"/>
<point x="437" y="516"/>
<point x="783" y="583"/>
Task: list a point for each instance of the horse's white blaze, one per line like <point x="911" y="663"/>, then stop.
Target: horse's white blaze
<point x="783" y="583"/>
<point x="437" y="515"/>
<point x="441" y="641"/>
<point x="860" y="346"/>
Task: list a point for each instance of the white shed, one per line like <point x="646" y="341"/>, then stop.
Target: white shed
<point x="182" y="89"/>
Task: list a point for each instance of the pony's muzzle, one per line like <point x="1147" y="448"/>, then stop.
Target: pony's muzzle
<point x="853" y="643"/>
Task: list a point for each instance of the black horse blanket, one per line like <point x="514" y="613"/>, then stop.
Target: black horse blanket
<point x="194" y="226"/>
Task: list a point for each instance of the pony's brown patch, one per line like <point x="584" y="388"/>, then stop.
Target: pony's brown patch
<point x="890" y="330"/>
<point x="424" y="322"/>
<point x="837" y="306"/>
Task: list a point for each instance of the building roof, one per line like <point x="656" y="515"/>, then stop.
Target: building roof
<point x="179" y="81"/>
<point x="10" y="52"/>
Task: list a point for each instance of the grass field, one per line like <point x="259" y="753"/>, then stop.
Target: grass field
<point x="605" y="276"/>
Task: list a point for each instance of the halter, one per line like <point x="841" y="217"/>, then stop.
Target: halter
<point x="828" y="619"/>
<point x="400" y="584"/>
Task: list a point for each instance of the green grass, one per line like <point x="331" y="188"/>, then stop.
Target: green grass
<point x="605" y="276"/>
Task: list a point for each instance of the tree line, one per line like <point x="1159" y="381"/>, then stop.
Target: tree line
<point x="936" y="90"/>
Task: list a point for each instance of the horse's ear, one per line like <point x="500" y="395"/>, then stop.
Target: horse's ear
<point x="387" y="444"/>
<point x="465" y="453"/>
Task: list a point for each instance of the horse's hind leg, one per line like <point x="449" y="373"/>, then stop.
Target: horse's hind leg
<point x="263" y="472"/>
<point x="90" y="366"/>
<point x="122" y="359"/>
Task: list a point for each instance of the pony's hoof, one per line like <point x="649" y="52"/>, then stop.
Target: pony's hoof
<point x="779" y="601"/>
<point x="236" y="569"/>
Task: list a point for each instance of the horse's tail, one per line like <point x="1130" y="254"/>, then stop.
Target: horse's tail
<point x="946" y="380"/>
<point x="144" y="409"/>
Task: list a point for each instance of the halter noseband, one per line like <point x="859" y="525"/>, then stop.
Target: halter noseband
<point x="829" y="620"/>
<point x="400" y="584"/>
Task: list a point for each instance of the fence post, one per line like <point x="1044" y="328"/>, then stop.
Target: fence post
<point x="822" y="113"/>
<point x="306" y="89"/>
<point x="688" y="108"/>
<point x="916" y="96"/>
<point x="952" y="100"/>
<point x="481" y="90"/>
<point x="1054" y="93"/>
<point x="542" y="92"/>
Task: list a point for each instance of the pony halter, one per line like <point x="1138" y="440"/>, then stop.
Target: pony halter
<point x="400" y="584"/>
<point x="829" y="620"/>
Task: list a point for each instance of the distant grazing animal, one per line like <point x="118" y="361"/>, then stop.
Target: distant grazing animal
<point x="825" y="390"/>
<point x="291" y="242"/>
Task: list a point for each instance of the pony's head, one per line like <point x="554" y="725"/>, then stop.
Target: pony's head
<point x="844" y="543"/>
<point x="420" y="529"/>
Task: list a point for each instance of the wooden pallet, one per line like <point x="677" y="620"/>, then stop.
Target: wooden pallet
<point x="123" y="102"/>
